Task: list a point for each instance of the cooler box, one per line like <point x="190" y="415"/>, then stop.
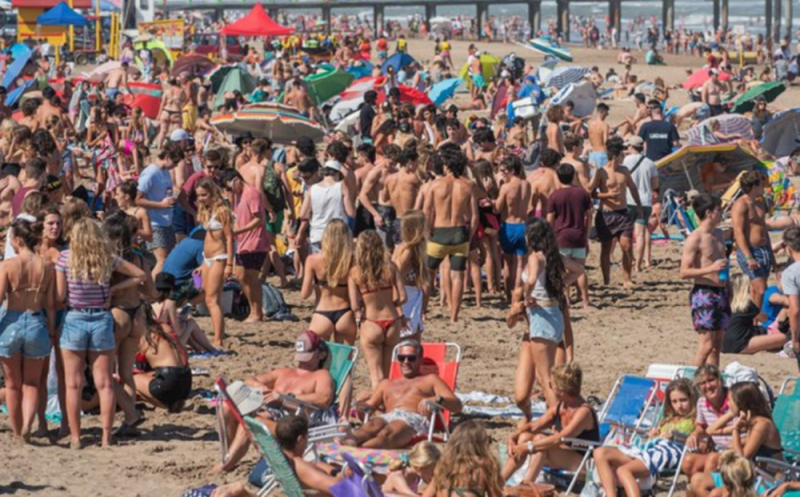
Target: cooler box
<point x="663" y="374"/>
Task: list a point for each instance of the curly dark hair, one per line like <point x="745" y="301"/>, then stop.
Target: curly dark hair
<point x="541" y="238"/>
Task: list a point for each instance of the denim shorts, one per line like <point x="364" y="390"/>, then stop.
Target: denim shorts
<point x="163" y="238"/>
<point x="88" y="329"/>
<point x="546" y="323"/>
<point x="24" y="332"/>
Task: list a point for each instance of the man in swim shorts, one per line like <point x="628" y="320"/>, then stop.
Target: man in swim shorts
<point x="406" y="403"/>
<point x="705" y="262"/>
<point x="750" y="232"/>
<point x="451" y="207"/>
<point x="373" y="204"/>
<point x="612" y="221"/>
<point x="513" y="203"/>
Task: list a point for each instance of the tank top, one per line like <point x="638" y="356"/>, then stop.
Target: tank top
<point x="539" y="291"/>
<point x="327" y="204"/>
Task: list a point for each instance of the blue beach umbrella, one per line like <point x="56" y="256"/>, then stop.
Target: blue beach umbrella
<point x="443" y="90"/>
<point x="362" y="70"/>
<point x="21" y="54"/>
<point x="397" y="61"/>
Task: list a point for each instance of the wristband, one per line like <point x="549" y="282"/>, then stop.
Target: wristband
<point x="531" y="447"/>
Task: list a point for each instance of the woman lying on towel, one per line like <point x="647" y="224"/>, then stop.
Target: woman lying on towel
<point x="629" y="465"/>
<point x="570" y="417"/>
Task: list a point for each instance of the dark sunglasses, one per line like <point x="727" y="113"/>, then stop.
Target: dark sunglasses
<point x="406" y="358"/>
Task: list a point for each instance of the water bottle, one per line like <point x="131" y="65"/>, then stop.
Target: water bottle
<point x="724" y="274"/>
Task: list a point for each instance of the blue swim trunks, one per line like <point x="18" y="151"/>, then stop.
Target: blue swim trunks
<point x="512" y="238"/>
<point x="765" y="258"/>
<point x="599" y="159"/>
<point x="477" y="80"/>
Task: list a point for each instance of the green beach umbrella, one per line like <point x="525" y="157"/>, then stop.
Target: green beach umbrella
<point x="769" y="91"/>
<point x="328" y="84"/>
<point x="489" y="66"/>
<point x="236" y="79"/>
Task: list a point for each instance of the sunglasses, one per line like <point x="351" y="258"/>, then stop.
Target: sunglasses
<point x="406" y="358"/>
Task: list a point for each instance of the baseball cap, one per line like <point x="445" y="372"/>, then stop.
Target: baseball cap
<point x="178" y="135"/>
<point x="307" y="345"/>
<point x="52" y="183"/>
<point x="247" y="400"/>
<point x="165" y="282"/>
<point x="634" y="141"/>
<point x="332" y="164"/>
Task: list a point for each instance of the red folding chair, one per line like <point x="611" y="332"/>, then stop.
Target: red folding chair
<point x="443" y="360"/>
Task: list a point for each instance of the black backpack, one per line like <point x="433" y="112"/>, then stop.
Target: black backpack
<point x="274" y="305"/>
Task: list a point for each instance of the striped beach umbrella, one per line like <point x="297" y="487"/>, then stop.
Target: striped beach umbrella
<point x="562" y="76"/>
<point x="684" y="169"/>
<point x="733" y="125"/>
<point x="275" y="123"/>
<point x="782" y="133"/>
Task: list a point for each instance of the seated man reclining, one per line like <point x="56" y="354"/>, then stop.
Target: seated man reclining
<point x="405" y="402"/>
<point x="259" y="396"/>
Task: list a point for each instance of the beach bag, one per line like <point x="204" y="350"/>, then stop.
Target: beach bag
<point x="736" y="372"/>
<point x="525" y="107"/>
<point x="274" y="305"/>
<point x="240" y="307"/>
<point x="273" y="188"/>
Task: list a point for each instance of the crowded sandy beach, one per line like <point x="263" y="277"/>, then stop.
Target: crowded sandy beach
<point x="191" y="242"/>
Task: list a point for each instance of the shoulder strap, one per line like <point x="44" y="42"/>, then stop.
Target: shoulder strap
<point x="638" y="163"/>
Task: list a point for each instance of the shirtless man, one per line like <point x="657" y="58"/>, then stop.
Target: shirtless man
<point x="612" y="220"/>
<point x="451" y="208"/>
<point x="486" y="145"/>
<point x="555" y="137"/>
<point x="544" y="181"/>
<point x="705" y="262"/>
<point x="406" y="403"/>
<point x="310" y="384"/>
<point x="711" y="93"/>
<point x="631" y="124"/>
<point x="599" y="132"/>
<point x="402" y="188"/>
<point x="573" y="143"/>
<point x="48" y="107"/>
<point x="29" y="109"/>
<point x="299" y="98"/>
<point x="518" y="135"/>
<point x="513" y="203"/>
<point x="380" y="209"/>
<point x="116" y="79"/>
<point x="750" y="232"/>
<point x="365" y="162"/>
<point x="253" y="171"/>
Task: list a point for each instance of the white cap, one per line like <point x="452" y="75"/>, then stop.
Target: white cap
<point x="178" y="135"/>
<point x="332" y="164"/>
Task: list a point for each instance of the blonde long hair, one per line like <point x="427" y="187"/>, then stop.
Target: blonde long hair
<point x="412" y="232"/>
<point x="468" y="462"/>
<point x="372" y="261"/>
<point x="423" y="455"/>
<point x="337" y="251"/>
<point x="738" y="474"/>
<point x="740" y="299"/>
<point x="218" y="206"/>
<point x="91" y="256"/>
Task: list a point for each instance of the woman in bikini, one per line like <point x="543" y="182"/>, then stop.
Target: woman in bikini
<point x="409" y="257"/>
<point x="326" y="276"/>
<point x="468" y="466"/>
<point x="83" y="282"/>
<point x="541" y="439"/>
<point x="180" y="321"/>
<point x="170" y="114"/>
<point x="215" y="216"/>
<point x="100" y="139"/>
<point x="125" y="196"/>
<point x="127" y="310"/>
<point x="27" y="281"/>
<point x="378" y="293"/>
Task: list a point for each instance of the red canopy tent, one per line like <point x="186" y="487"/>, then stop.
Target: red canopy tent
<point x="256" y="23"/>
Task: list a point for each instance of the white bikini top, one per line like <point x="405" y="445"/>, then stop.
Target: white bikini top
<point x="213" y="224"/>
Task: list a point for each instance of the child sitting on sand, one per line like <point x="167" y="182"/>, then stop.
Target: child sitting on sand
<point x="413" y="472"/>
<point x="743" y="335"/>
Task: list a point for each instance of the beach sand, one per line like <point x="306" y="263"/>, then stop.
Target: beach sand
<point x="622" y="333"/>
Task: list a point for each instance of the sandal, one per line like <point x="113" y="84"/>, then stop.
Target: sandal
<point x="129" y="429"/>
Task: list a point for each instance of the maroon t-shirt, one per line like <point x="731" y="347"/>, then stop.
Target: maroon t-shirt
<point x="569" y="206"/>
<point x="19" y="197"/>
<point x="189" y="186"/>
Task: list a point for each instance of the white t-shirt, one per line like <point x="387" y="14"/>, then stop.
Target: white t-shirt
<point x="642" y="178"/>
<point x="790" y="278"/>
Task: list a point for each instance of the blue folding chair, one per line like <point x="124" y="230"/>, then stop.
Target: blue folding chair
<point x="631" y="403"/>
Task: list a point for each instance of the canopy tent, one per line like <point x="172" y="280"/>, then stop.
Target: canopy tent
<point x="256" y="23"/>
<point x="61" y="15"/>
<point x="21" y="55"/>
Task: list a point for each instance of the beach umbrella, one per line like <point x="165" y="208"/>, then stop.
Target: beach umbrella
<point x="729" y="124"/>
<point x="562" y="76"/>
<point x="697" y="78"/>
<point x="324" y="86"/>
<point x="582" y="94"/>
<point x="685" y="169"/>
<point x="193" y="64"/>
<point x="408" y="94"/>
<point x="361" y="69"/>
<point x="217" y="75"/>
<point x="363" y="85"/>
<point x="344" y="108"/>
<point x="489" y="65"/>
<point x="236" y="79"/>
<point x="21" y="55"/>
<point x="15" y="95"/>
<point x="546" y="68"/>
<point x="782" y="133"/>
<point x="275" y="123"/>
<point x="443" y="90"/>
<point x="348" y="124"/>
<point x="770" y="91"/>
<point x="397" y="61"/>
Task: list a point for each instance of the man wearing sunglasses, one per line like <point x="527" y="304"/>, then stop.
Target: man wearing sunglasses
<point x="406" y="403"/>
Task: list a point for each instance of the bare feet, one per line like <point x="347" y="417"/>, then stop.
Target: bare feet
<point x="627" y="284"/>
<point x="75" y="444"/>
<point x="253" y="319"/>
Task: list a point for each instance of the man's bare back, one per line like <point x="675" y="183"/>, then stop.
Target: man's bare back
<point x="543" y="181"/>
<point x="451" y="202"/>
<point x="513" y="201"/>
<point x="598" y="134"/>
<point x="402" y="189"/>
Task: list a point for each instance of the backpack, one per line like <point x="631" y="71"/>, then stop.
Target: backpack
<point x="274" y="305"/>
<point x="273" y="187"/>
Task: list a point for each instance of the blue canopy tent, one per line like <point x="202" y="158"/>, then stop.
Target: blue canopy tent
<point x="21" y="54"/>
<point x="61" y="15"/>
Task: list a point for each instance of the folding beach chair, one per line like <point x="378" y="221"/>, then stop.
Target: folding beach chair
<point x="359" y="483"/>
<point x="731" y="194"/>
<point x="786" y="416"/>
<point x="678" y="215"/>
<point x="435" y="360"/>
<point x="282" y="473"/>
<point x="629" y="407"/>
